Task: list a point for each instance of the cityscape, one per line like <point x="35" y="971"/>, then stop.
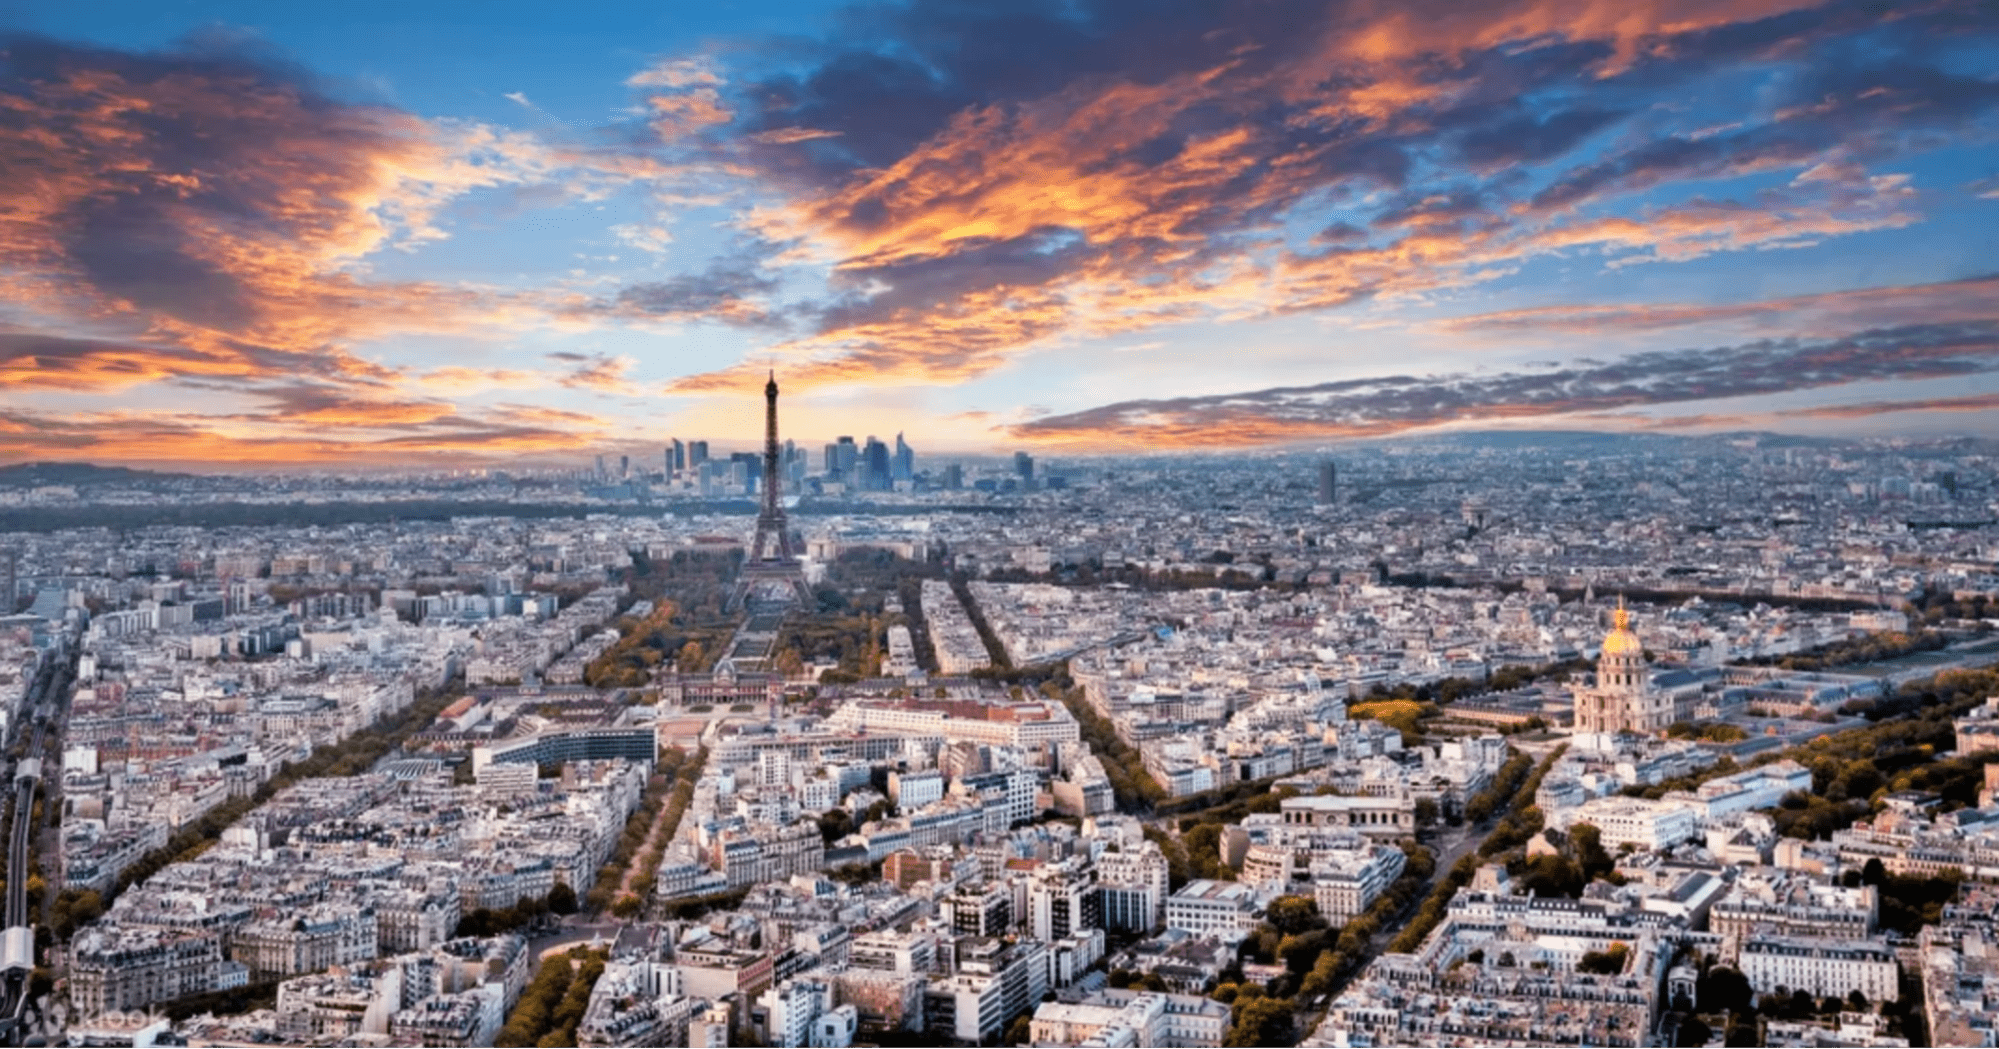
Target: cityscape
<point x="847" y="523"/>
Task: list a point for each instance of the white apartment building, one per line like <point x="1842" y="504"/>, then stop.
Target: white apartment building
<point x="913" y="790"/>
<point x="1758" y="788"/>
<point x="1823" y="967"/>
<point x="901" y="661"/>
<point x="791" y="1006"/>
<point x="1113" y="1017"/>
<point x="994" y="983"/>
<point x="1792" y="905"/>
<point x="1062" y="900"/>
<point x="1023" y="723"/>
<point x="1139" y="879"/>
<point x="1203" y="906"/>
<point x="120" y="969"/>
<point x="1638" y="822"/>
<point x="1346" y="882"/>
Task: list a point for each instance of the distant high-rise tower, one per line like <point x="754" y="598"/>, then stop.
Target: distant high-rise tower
<point x="954" y="477"/>
<point x="874" y="466"/>
<point x="1329" y="482"/>
<point x="697" y="453"/>
<point x="772" y="568"/>
<point x="904" y="466"/>
<point x="676" y="458"/>
<point x="1023" y="464"/>
<point x="841" y="458"/>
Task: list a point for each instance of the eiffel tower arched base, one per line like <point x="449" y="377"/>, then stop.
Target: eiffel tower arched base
<point x="772" y="582"/>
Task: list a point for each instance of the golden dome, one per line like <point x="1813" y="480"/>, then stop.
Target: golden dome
<point x="1621" y="641"/>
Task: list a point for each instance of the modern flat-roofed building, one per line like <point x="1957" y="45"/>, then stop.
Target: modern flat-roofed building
<point x="638" y="743"/>
<point x="1203" y="906"/>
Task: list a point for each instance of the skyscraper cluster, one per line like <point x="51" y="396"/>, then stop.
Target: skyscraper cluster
<point x="870" y="467"/>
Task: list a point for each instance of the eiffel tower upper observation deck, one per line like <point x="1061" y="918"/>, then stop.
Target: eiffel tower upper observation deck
<point x="771" y="572"/>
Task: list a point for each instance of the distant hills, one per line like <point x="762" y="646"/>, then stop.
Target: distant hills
<point x="33" y="475"/>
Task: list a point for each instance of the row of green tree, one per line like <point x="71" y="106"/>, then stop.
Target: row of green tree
<point x="1225" y="804"/>
<point x="961" y="587"/>
<point x="684" y="770"/>
<point x="1503" y="789"/>
<point x="486" y="921"/>
<point x="350" y="757"/>
<point x="1855" y="770"/>
<point x="691" y="908"/>
<point x="1940" y="605"/>
<point x="1225" y="575"/>
<point x="553" y="1003"/>
<point x="695" y="584"/>
<point x="910" y="590"/>
<point x="1871" y="648"/>
<point x="1710" y="731"/>
<point x="1907" y="902"/>
<point x="1451" y="689"/>
<point x="1200" y="838"/>
<point x="853" y="619"/>
<point x="1132" y="786"/>
<point x="1500" y="794"/>
<point x="852" y="640"/>
<point x="605" y="894"/>
<point x="1431" y="913"/>
<point x="1523" y="818"/>
<point x="643" y="644"/>
<point x="1316" y="957"/>
<point x="1579" y="859"/>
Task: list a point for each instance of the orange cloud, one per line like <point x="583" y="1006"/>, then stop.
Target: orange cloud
<point x="1110" y="202"/>
<point x="1390" y="33"/>
<point x="687" y="112"/>
<point x="595" y="372"/>
<point x="220" y="208"/>
<point x="209" y="221"/>
<point x="307" y="425"/>
<point x="219" y="214"/>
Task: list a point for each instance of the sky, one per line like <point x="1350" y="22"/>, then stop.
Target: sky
<point x="403" y="235"/>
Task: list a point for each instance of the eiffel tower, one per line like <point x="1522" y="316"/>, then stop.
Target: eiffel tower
<point x="771" y="573"/>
